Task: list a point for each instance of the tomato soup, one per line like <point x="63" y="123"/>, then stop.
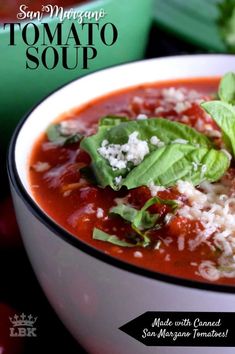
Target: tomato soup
<point x="144" y="175"/>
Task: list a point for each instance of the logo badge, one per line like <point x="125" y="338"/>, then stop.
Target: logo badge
<point x="23" y="326"/>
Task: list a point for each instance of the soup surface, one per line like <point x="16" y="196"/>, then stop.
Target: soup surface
<point x="146" y="201"/>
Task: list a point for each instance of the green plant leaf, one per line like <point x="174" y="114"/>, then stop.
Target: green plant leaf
<point x="103" y="236"/>
<point x="127" y="212"/>
<point x="224" y="115"/>
<point x="227" y="88"/>
<point x="168" y="164"/>
<point x="166" y="131"/>
<point x="141" y="219"/>
<point x="112" y="121"/>
<point x="55" y="136"/>
<point x="103" y="172"/>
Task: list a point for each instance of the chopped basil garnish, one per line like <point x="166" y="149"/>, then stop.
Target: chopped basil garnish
<point x="103" y="236"/>
<point x="164" y="165"/>
<point x="223" y="111"/>
<point x="142" y="219"/>
<point x="112" y="121"/>
<point x="169" y="164"/>
<point x="56" y="136"/>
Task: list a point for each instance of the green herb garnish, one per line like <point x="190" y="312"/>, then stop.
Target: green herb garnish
<point x="227" y="88"/>
<point x="223" y="111"/>
<point x="142" y="219"/>
<point x="163" y="165"/>
<point x="57" y="137"/>
<point x="103" y="236"/>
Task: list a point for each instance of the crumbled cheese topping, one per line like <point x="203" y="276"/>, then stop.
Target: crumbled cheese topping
<point x="119" y="155"/>
<point x="100" y="213"/>
<point x="182" y="106"/>
<point x="118" y="180"/>
<point x="155" y="189"/>
<point x="68" y="127"/>
<point x="173" y="94"/>
<point x="142" y="117"/>
<point x="156" y="141"/>
<point x="138" y="254"/>
<point x="168" y="217"/>
<point x="181" y="241"/>
<point x="214" y="206"/>
<point x="41" y="166"/>
<point x="180" y="141"/>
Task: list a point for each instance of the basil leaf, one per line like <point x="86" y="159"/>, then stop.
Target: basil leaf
<point x="112" y="121"/>
<point x="103" y="236"/>
<point x="55" y="136"/>
<point x="102" y="170"/>
<point x="145" y="240"/>
<point x="53" y="132"/>
<point x="224" y="115"/>
<point x="166" y="131"/>
<point x="227" y="88"/>
<point x="143" y="219"/>
<point x="140" y="219"/>
<point x="127" y="212"/>
<point x="172" y="203"/>
<point x="168" y="164"/>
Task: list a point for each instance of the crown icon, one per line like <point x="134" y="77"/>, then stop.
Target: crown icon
<point x="23" y="320"/>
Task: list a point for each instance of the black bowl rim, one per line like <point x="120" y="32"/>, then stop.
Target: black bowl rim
<point x="74" y="241"/>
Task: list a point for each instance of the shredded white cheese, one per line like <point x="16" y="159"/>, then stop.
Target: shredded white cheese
<point x="214" y="206"/>
<point x="118" y="180"/>
<point x="41" y="166"/>
<point x="182" y="106"/>
<point x="138" y="254"/>
<point x="173" y="94"/>
<point x="180" y="141"/>
<point x="156" y="141"/>
<point x="155" y="189"/>
<point x="119" y="155"/>
<point x="100" y="213"/>
<point x="142" y="117"/>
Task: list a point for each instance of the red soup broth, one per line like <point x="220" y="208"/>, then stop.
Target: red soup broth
<point x="78" y="206"/>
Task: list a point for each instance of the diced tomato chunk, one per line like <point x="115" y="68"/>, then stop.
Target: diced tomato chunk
<point x="183" y="226"/>
<point x="82" y="156"/>
<point x="89" y="194"/>
<point x="139" y="196"/>
<point x="71" y="174"/>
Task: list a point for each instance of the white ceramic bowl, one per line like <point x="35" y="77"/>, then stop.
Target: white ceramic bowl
<point x="91" y="292"/>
